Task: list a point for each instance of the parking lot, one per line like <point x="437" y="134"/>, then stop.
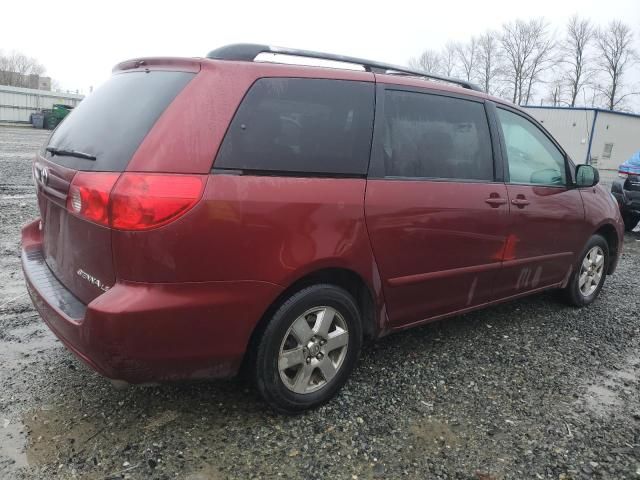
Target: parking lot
<point x="529" y="389"/>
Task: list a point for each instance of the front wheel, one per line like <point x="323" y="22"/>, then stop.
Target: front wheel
<point x="588" y="278"/>
<point x="308" y="349"/>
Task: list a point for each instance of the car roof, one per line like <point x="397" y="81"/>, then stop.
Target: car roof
<point x="369" y="72"/>
<point x="251" y="51"/>
<point x="272" y="68"/>
<point x="308" y="62"/>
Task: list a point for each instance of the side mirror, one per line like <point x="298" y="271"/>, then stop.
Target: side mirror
<point x="587" y="176"/>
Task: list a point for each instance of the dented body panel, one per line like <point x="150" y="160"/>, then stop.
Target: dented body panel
<point x="537" y="257"/>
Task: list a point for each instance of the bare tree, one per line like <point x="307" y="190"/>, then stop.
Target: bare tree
<point x="487" y="61"/>
<point x="428" y="61"/>
<point x="544" y="56"/>
<point x="449" y="58"/>
<point x="15" y="66"/>
<point x="556" y="92"/>
<point x="527" y="49"/>
<point x="574" y="50"/>
<point x="6" y="76"/>
<point x="517" y="46"/>
<point x="524" y="63"/>
<point x="441" y="63"/>
<point x="467" y="57"/>
<point x="615" y="56"/>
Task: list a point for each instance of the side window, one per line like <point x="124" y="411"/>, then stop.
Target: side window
<point x="301" y="125"/>
<point x="433" y="136"/>
<point x="532" y="157"/>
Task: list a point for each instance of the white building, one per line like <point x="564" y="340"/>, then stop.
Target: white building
<point x="17" y="104"/>
<point x="591" y="135"/>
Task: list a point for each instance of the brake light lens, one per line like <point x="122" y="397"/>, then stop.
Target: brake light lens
<point x="88" y="195"/>
<point x="144" y="201"/>
<point x="623" y="174"/>
<point x="133" y="201"/>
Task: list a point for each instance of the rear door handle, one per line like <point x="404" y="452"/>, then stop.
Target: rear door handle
<point x="495" y="201"/>
<point x="520" y="202"/>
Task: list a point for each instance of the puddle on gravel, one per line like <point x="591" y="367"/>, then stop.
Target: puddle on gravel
<point x="44" y="436"/>
<point x="12" y="441"/>
<point x="54" y="434"/>
<point x="208" y="472"/>
<point x="19" y="347"/>
<point x="433" y="435"/>
<point x="604" y="395"/>
<point x="24" y="345"/>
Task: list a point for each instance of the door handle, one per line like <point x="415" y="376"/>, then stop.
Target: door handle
<point x="495" y="202"/>
<point x="520" y="202"/>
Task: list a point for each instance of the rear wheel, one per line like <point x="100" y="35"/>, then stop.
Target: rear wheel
<point x="308" y="349"/>
<point x="587" y="279"/>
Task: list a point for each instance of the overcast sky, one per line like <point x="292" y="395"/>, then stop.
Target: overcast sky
<point x="80" y="41"/>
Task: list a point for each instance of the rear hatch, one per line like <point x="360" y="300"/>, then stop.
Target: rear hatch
<point x="82" y="161"/>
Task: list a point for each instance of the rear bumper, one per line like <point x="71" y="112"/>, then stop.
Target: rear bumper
<point x="141" y="332"/>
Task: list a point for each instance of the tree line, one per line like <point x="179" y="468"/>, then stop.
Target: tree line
<point x="526" y="62"/>
<point x="15" y="66"/>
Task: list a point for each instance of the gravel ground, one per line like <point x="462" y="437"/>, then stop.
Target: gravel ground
<point x="529" y="389"/>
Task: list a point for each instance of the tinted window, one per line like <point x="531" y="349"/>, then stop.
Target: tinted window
<point x="532" y="157"/>
<point x="111" y="122"/>
<point x="435" y="136"/>
<point x="301" y="125"/>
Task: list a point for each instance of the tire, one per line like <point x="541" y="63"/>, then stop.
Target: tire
<point x="630" y="220"/>
<point x="319" y="363"/>
<point x="590" y="272"/>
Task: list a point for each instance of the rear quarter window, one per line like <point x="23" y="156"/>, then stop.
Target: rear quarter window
<point x="299" y="125"/>
<point x="111" y="123"/>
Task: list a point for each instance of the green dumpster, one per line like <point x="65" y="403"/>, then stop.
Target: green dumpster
<point x="55" y="115"/>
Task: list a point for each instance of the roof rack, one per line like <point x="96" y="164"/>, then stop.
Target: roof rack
<point x="249" y="51"/>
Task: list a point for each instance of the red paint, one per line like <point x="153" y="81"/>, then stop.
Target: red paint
<point x="423" y="227"/>
<point x="599" y="210"/>
<point x="209" y="101"/>
<point x="142" y="332"/>
<point x="187" y="294"/>
<point x="546" y="221"/>
<point x="508" y="250"/>
<point x="70" y="241"/>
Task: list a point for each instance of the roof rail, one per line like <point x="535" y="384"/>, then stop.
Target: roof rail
<point x="249" y="51"/>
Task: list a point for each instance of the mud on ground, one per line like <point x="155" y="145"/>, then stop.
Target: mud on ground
<point x="529" y="389"/>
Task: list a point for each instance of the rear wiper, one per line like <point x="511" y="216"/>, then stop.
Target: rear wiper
<point x="70" y="153"/>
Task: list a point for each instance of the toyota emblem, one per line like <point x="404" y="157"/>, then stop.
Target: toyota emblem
<point x="44" y="175"/>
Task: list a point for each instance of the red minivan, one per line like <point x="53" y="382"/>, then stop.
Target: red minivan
<point x="199" y="215"/>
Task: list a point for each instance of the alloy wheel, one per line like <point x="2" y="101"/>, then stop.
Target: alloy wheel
<point x="313" y="350"/>
<point x="591" y="271"/>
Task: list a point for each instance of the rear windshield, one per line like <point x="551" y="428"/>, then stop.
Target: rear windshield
<point x="111" y="123"/>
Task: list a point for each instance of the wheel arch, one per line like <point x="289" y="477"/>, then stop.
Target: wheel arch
<point x="345" y="278"/>
<point x="610" y="234"/>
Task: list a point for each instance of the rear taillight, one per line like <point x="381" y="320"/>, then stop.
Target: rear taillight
<point x="622" y="174"/>
<point x="88" y="195"/>
<point x="133" y="201"/>
<point x="143" y="201"/>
